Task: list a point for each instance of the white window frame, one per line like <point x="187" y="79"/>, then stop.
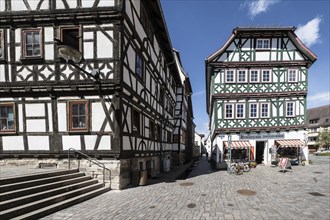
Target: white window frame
<point x="293" y="109"/>
<point x="295" y="74"/>
<point x="257" y="110"/>
<point x="238" y="76"/>
<point x="263" y="40"/>
<point x="262" y="76"/>
<point x="243" y="113"/>
<point x="268" y="109"/>
<point x="258" y="75"/>
<point x="232" y="111"/>
<point x="226" y="76"/>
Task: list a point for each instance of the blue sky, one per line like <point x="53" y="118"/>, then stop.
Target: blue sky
<point x="200" y="27"/>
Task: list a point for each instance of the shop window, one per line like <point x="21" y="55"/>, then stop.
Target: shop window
<point x="78" y="116"/>
<point x="265" y="110"/>
<point x="254" y="76"/>
<point x="7" y="118"/>
<point x="229" y="108"/>
<point x="32" y="45"/>
<point x="230" y="76"/>
<point x="71" y="36"/>
<point x="139" y="69"/>
<point x="290" y="109"/>
<point x="240" y="111"/>
<point x="292" y="76"/>
<point x="253" y="110"/>
<point x="136" y="121"/>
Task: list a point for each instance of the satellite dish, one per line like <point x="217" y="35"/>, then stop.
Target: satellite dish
<point x="69" y="53"/>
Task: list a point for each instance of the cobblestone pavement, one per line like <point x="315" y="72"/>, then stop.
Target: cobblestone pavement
<point x="206" y="194"/>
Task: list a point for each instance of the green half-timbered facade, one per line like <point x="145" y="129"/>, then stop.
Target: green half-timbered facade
<point x="256" y="91"/>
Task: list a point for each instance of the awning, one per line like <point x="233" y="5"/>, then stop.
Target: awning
<point x="238" y="144"/>
<point x="290" y="143"/>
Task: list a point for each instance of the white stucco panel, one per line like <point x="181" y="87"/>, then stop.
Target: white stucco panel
<point x="87" y="3"/>
<point x="18" y="5"/>
<point x="126" y="143"/>
<point x="20" y="118"/>
<point x="105" y="143"/>
<point x="2" y="73"/>
<point x="106" y="3"/>
<point x="50" y="117"/>
<point x="33" y="110"/>
<point x="12" y="143"/>
<point x="71" y="3"/>
<point x="49" y="52"/>
<point x="36" y="125"/>
<point x="2" y="5"/>
<point x="38" y="142"/>
<point x="72" y="141"/>
<point x="262" y="56"/>
<point x="104" y="45"/>
<point x="88" y="50"/>
<point x="98" y="117"/>
<point x="90" y="141"/>
<point x="61" y="112"/>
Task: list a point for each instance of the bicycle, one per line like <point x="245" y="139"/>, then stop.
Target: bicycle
<point x="236" y="168"/>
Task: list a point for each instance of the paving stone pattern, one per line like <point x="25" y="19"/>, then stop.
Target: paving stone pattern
<point x="213" y="195"/>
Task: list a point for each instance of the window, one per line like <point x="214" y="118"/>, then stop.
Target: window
<point x="254" y="76"/>
<point x="31" y="44"/>
<point x="136" y="122"/>
<point x="1" y="45"/>
<point x="266" y="77"/>
<point x="7" y="118"/>
<point x="241" y="76"/>
<point x="230" y="77"/>
<point x="240" y="110"/>
<point x="253" y="110"/>
<point x="161" y="96"/>
<point x="151" y="130"/>
<point x="290" y="109"/>
<point x="78" y="113"/>
<point x="71" y="36"/>
<point x="292" y="76"/>
<point x="263" y="43"/>
<point x="139" y="66"/>
<point x="229" y="110"/>
<point x="265" y="110"/>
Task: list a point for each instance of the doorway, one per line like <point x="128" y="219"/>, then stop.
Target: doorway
<point x="260" y="148"/>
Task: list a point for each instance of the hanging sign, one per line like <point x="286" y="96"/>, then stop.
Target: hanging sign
<point x="261" y="136"/>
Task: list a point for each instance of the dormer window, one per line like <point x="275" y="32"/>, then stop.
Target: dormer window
<point x="263" y="44"/>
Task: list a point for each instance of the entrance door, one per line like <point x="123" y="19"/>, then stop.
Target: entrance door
<point x="260" y="148"/>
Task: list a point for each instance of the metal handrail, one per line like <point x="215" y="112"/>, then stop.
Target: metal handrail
<point x="91" y="160"/>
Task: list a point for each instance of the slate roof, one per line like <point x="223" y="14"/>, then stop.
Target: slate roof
<point x="321" y="114"/>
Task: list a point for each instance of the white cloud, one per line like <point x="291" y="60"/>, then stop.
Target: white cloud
<point x="318" y="99"/>
<point x="309" y="33"/>
<point x="256" y="7"/>
<point x="202" y="92"/>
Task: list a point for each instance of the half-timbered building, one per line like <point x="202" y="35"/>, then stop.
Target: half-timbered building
<point x="93" y="75"/>
<point x="256" y="94"/>
<point x="183" y="117"/>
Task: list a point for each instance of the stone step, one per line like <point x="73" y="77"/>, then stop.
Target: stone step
<point x="42" y="187"/>
<point x="37" y="195"/>
<point x="61" y="205"/>
<point x="16" y="179"/>
<point x="34" y="182"/>
<point x="33" y="206"/>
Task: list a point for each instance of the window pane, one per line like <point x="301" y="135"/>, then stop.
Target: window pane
<point x="82" y="122"/>
<point x="28" y="38"/>
<point x="75" y="121"/>
<point x="36" y="37"/>
<point x="75" y="109"/>
<point x="82" y="109"/>
<point x="36" y="51"/>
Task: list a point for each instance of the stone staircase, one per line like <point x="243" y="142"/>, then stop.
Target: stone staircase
<point x="38" y="195"/>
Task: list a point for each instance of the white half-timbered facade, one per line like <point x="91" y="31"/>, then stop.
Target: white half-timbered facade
<point x="114" y="103"/>
<point x="256" y="94"/>
<point x="183" y="114"/>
